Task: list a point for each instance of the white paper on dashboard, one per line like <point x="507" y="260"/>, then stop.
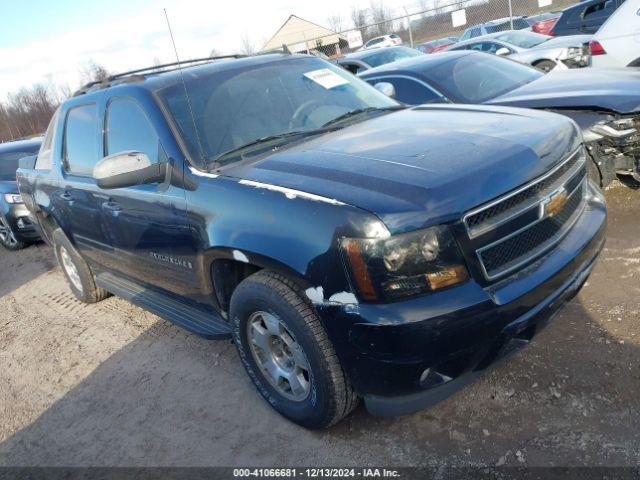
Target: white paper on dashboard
<point x="326" y="78"/>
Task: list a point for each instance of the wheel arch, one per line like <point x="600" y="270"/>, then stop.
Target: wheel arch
<point x="227" y="267"/>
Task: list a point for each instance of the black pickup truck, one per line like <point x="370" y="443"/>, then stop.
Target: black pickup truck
<point x="351" y="247"/>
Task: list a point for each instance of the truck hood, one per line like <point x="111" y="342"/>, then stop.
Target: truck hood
<point x="423" y="165"/>
<point x="614" y="90"/>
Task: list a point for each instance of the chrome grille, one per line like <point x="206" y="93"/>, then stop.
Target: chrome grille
<point x="475" y="219"/>
<point x="524" y="221"/>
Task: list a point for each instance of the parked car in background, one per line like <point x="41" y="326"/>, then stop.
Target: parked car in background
<point x="434" y="46"/>
<point x="584" y="17"/>
<point x="390" y="40"/>
<point x="543" y="23"/>
<point x="350" y="246"/>
<point x="16" y="230"/>
<point x="604" y="103"/>
<point x="617" y="42"/>
<point x="541" y="51"/>
<point x="499" y="25"/>
<point x="365" y="59"/>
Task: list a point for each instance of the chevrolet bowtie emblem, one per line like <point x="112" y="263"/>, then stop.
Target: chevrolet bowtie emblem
<point x="555" y="203"/>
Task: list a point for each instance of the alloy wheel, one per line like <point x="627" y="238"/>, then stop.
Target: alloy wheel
<point x="70" y="268"/>
<point x="6" y="234"/>
<point x="279" y="356"/>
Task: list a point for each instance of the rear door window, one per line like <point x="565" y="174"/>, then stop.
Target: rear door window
<point x="81" y="140"/>
<point x="129" y="129"/>
<point x="598" y="10"/>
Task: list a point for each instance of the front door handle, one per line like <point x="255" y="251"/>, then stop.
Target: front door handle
<point x="112" y="207"/>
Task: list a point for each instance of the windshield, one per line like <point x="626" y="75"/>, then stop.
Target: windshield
<point x="235" y="106"/>
<point x="9" y="164"/>
<point x="388" y="55"/>
<point x="523" y="39"/>
<point x="478" y="77"/>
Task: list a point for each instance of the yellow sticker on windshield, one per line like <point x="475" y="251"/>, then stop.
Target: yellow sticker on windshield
<point x="326" y="78"/>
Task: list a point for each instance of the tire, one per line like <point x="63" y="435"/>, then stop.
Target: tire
<point x="7" y="238"/>
<point x="76" y="271"/>
<point x="266" y="298"/>
<point x="545" y="65"/>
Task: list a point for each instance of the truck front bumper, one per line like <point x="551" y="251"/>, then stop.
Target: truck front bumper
<point x="404" y="356"/>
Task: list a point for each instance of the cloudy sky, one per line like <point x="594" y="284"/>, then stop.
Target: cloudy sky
<point x="49" y="41"/>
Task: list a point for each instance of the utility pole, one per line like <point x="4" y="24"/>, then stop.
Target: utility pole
<point x="409" y="26"/>
<point x="511" y="14"/>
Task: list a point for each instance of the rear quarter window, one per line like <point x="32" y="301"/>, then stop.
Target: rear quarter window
<point x="81" y="140"/>
<point x="45" y="155"/>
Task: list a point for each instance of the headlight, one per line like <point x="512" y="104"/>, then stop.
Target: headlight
<point x="403" y="265"/>
<point x="616" y="128"/>
<point x="12" y="198"/>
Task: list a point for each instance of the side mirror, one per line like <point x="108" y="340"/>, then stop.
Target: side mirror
<point x="127" y="169"/>
<point x="28" y="163"/>
<point x="387" y="88"/>
<point x="503" y="51"/>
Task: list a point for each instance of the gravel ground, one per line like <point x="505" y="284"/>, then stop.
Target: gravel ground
<point x="112" y="385"/>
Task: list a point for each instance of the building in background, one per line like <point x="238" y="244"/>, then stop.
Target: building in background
<point x="302" y="36"/>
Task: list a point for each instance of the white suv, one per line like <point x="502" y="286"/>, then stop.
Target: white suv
<point x="384" y="41"/>
<point x="617" y="42"/>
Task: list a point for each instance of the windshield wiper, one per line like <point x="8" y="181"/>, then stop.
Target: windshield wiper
<point x="360" y="111"/>
<point x="270" y="138"/>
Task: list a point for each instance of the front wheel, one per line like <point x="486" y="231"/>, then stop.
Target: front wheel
<point x="286" y="352"/>
<point x="7" y="238"/>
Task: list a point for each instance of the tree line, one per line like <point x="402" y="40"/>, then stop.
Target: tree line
<point x="27" y="112"/>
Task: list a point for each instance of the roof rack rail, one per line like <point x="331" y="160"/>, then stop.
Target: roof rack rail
<point x="138" y="73"/>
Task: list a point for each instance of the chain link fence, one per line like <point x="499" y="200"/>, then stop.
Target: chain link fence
<point x="414" y="25"/>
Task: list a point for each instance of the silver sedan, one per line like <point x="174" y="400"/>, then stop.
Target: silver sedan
<point x="542" y="51"/>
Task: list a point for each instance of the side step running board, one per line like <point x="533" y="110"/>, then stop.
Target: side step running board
<point x="207" y="324"/>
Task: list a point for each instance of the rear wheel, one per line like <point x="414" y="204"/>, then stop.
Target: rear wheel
<point x="287" y="353"/>
<point x="7" y="237"/>
<point x="76" y="270"/>
<point x="545" y="65"/>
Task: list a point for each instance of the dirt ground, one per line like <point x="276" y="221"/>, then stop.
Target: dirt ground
<point x="112" y="385"/>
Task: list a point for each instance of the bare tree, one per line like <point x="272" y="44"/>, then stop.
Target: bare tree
<point x="215" y="52"/>
<point x="62" y="92"/>
<point x="380" y="16"/>
<point x="247" y="47"/>
<point x="27" y="112"/>
<point x="359" y="20"/>
<point x="336" y="23"/>
<point x="92" y="72"/>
